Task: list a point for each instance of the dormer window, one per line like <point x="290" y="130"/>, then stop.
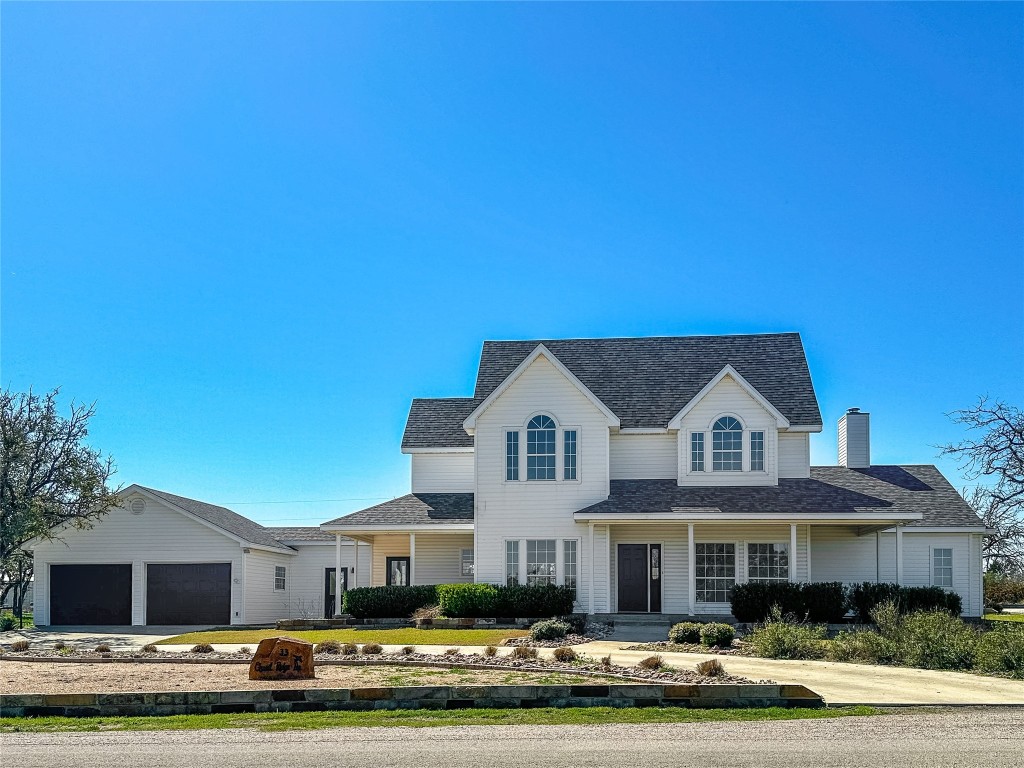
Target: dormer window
<point x="727" y="445"/>
<point x="540" y="448"/>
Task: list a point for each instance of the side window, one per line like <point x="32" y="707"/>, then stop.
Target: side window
<point x="697" y="452"/>
<point x="511" y="455"/>
<point x="279" y="576"/>
<point x="467" y="562"/>
<point x="757" y="451"/>
<point x="569" y="454"/>
<point x="511" y="563"/>
<point x="942" y="567"/>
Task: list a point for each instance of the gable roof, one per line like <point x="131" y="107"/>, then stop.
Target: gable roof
<point x="437" y="422"/>
<point x="891" y="490"/>
<point x="219" y="517"/>
<point x="299" y="534"/>
<point x="647" y="381"/>
<point x="413" y="509"/>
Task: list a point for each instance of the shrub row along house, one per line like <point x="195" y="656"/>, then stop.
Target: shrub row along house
<point x="650" y="474"/>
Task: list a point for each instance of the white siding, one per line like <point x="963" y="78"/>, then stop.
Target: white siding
<point x="728" y="398"/>
<point x="158" y="535"/>
<point x="439" y="558"/>
<point x="307" y="571"/>
<point x="442" y="473"/>
<point x="263" y="603"/>
<point x="540" y="509"/>
<point x="794" y="454"/>
<point x="839" y="554"/>
<point x="644" y="457"/>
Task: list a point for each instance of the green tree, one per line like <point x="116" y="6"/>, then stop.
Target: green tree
<point x="50" y="479"/>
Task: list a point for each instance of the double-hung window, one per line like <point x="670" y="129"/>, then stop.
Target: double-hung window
<point x="757" y="451"/>
<point x="511" y="455"/>
<point x="540" y="448"/>
<point x="697" y="452"/>
<point x="511" y="562"/>
<point x="727" y="445"/>
<point x="279" y="576"/>
<point x="467" y="562"/>
<point x="942" y="567"/>
<point x="569" y="454"/>
<point x="768" y="562"/>
<point x="540" y="561"/>
<point x="716" y="572"/>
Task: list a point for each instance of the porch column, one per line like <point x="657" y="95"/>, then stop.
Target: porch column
<point x="337" y="573"/>
<point x="691" y="569"/>
<point x="412" y="559"/>
<point x="808" y="553"/>
<point x="899" y="554"/>
<point x="590" y="592"/>
<point x="608" y="562"/>
<point x="355" y="568"/>
<point x="792" y="552"/>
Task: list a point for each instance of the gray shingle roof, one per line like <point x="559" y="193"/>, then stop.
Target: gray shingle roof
<point x="414" y="509"/>
<point x="644" y="381"/>
<point x="899" y="489"/>
<point x="437" y="422"/>
<point x="647" y="381"/>
<point x="299" y="533"/>
<point x="223" y="518"/>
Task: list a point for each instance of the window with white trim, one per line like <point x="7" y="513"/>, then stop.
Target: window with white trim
<point x="511" y="563"/>
<point x="511" y="455"/>
<point x="697" y="452"/>
<point x="467" y="562"/>
<point x="540" y="561"/>
<point x="540" y="448"/>
<point x="727" y="445"/>
<point x="757" y="451"/>
<point x="569" y="454"/>
<point x="767" y="562"/>
<point x="942" y="567"/>
<point x="569" y="563"/>
<point x="716" y="571"/>
<point x="279" y="576"/>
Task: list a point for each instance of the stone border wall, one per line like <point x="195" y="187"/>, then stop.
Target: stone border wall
<point x="414" y="697"/>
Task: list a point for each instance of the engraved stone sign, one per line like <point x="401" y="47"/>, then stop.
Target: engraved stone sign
<point x="282" y="658"/>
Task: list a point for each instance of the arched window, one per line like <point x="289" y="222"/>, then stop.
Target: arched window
<point x="727" y="445"/>
<point x="540" y="448"/>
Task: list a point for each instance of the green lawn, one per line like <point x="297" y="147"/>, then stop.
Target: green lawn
<point x="405" y="636"/>
<point x="284" y="721"/>
<point x="1005" y="617"/>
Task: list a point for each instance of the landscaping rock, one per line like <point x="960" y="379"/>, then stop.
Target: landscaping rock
<point x="282" y="658"/>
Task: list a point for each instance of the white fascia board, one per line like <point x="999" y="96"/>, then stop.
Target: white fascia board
<point x="804" y="428"/>
<point x="644" y="431"/>
<point x="356" y="530"/>
<point x="470" y="422"/>
<point x="760" y="517"/>
<point x="947" y="529"/>
<point x="301" y="543"/>
<point x="463" y="449"/>
<point x="262" y="548"/>
<point x="728" y="370"/>
<point x="184" y="512"/>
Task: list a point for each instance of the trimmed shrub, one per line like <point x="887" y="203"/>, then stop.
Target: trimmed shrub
<point x="150" y="648"/>
<point x="685" y="632"/>
<point x="389" y="602"/>
<point x="466" y="600"/>
<point x="710" y="668"/>
<point x="753" y="602"/>
<point x="451" y="652"/>
<point x="577" y="622"/>
<point x="720" y="635"/>
<point x="936" y="640"/>
<point x="824" y="602"/>
<point x="202" y="648"/>
<point x="60" y="645"/>
<point x="998" y="589"/>
<point x="490" y="651"/>
<point x="7" y="623"/>
<point x="19" y="645"/>
<point x="372" y="649"/>
<point x="1001" y="650"/>
<point x="67" y="650"/>
<point x="408" y="650"/>
<point x="549" y="630"/>
<point x="651" y="662"/>
<point x="606" y="661"/>
<point x="102" y="648"/>
<point x="865" y="597"/>
<point x="780" y="639"/>
<point x="328" y="646"/>
<point x="349" y="649"/>
<point x="524" y="652"/>
<point x="565" y="655"/>
<point x="245" y="649"/>
<point x="525" y="601"/>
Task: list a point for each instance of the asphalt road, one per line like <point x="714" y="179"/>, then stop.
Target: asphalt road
<point x="962" y="738"/>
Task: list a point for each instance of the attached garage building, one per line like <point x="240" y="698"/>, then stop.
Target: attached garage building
<point x="166" y="560"/>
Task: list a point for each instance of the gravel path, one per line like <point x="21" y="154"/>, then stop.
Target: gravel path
<point x="43" y="677"/>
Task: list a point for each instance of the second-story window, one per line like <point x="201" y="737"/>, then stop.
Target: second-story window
<point x="727" y="445"/>
<point x="540" y="448"/>
<point x="757" y="451"/>
<point x="697" y="452"/>
<point x="569" y="454"/>
<point x="511" y="455"/>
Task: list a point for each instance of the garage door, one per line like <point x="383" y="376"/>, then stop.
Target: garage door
<point x="91" y="594"/>
<point x="188" y="593"/>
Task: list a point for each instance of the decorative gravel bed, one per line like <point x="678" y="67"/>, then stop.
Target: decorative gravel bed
<point x="590" y="633"/>
<point x="737" y="649"/>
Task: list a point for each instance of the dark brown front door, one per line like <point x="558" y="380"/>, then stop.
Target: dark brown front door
<point x="633" y="577"/>
<point x="91" y="594"/>
<point x="331" y="591"/>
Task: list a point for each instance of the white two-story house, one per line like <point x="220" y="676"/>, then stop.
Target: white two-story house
<point x="653" y="474"/>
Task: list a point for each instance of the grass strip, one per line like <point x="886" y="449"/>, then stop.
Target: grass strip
<point x="418" y="718"/>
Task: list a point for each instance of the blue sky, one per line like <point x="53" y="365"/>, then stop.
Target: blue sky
<point x="252" y="233"/>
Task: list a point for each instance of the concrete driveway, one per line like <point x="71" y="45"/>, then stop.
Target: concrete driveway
<point x="118" y="638"/>
<point x="845" y="683"/>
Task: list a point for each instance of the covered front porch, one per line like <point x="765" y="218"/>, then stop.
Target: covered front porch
<point x="661" y="565"/>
